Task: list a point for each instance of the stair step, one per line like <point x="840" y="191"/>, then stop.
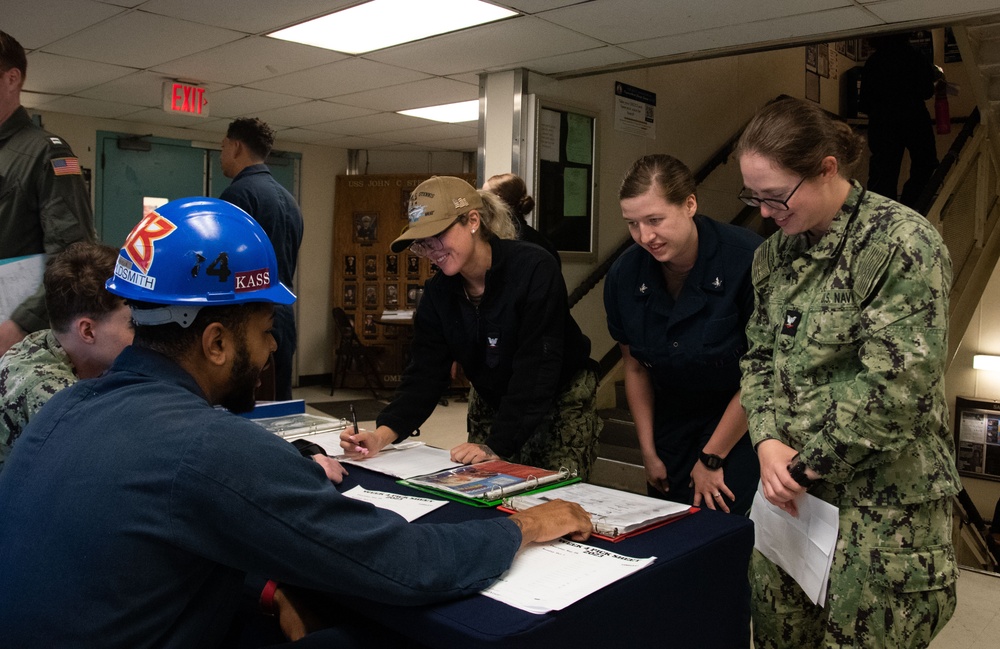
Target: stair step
<point x="619" y="433"/>
<point x="618" y="475"/>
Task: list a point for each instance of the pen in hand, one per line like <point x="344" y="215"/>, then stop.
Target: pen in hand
<point x="354" y="420"/>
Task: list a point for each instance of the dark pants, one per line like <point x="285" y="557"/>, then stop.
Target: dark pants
<point x="888" y="136"/>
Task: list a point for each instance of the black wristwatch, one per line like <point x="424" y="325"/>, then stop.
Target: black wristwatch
<point x="797" y="469"/>
<point x="712" y="462"/>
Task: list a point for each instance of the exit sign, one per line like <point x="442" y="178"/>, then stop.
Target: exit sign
<point x="185" y="99"/>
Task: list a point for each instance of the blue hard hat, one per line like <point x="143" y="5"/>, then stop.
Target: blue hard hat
<point x="198" y="252"/>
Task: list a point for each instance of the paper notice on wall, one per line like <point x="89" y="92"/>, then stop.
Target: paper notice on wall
<point x="548" y="135"/>
<point x="574" y="191"/>
<point x="635" y="110"/>
<point x="20" y="277"/>
<point x="579" y="143"/>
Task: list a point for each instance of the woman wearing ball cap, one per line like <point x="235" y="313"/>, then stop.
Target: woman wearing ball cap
<point x="499" y="308"/>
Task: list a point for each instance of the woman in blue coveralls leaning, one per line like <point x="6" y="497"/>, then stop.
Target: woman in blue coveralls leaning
<point x="678" y="302"/>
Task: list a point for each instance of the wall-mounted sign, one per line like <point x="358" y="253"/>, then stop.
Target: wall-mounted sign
<point x="635" y="110"/>
<point x="185" y="99"/>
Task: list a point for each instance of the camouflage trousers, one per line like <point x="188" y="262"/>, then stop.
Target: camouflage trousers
<point x="566" y="438"/>
<point x="892" y="584"/>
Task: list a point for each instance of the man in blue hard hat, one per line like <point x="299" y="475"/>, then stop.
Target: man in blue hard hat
<point x="133" y="508"/>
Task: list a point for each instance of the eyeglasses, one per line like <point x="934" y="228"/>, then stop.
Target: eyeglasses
<point x="773" y="203"/>
<point x="424" y="247"/>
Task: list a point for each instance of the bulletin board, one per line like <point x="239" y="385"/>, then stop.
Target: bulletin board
<point x="565" y="191"/>
<point x="977" y="437"/>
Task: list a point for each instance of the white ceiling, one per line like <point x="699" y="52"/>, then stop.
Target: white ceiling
<point x="109" y="58"/>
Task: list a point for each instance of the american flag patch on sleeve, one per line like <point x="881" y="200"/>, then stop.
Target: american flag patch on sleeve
<point x="66" y="166"/>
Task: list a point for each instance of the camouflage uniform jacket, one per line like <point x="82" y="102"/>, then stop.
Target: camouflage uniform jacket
<point x="847" y="350"/>
<point x="44" y="204"/>
<point x="30" y="373"/>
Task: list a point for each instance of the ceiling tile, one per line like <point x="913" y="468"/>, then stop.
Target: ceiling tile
<point x="340" y="78"/>
<point x="241" y="102"/>
<point x="160" y="116"/>
<point x="304" y="135"/>
<point x="90" y="107"/>
<point x="139" y="88"/>
<point x="310" y="112"/>
<point x="378" y="123"/>
<point x="471" y="50"/>
<point x="35" y="23"/>
<point x="360" y="143"/>
<point x="835" y="20"/>
<point x="142" y="39"/>
<point x="36" y="99"/>
<point x="903" y="10"/>
<point x="434" y="132"/>
<point x="595" y="58"/>
<point x="621" y="21"/>
<point x="65" y="75"/>
<point x="249" y="59"/>
<point x="250" y="16"/>
<point x="418" y="94"/>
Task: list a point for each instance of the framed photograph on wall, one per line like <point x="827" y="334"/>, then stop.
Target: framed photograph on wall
<point x="368" y="328"/>
<point x="404" y="204"/>
<point x="350" y="296"/>
<point x="412" y="266"/>
<point x="350" y="266"/>
<point x="391" y="266"/>
<point x="413" y="292"/>
<point x="371" y="267"/>
<point x="823" y="60"/>
<point x="391" y="296"/>
<point x="371" y="296"/>
<point x="365" y="227"/>
<point x="812" y="54"/>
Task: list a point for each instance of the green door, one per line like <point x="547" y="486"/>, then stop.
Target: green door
<point x="169" y="169"/>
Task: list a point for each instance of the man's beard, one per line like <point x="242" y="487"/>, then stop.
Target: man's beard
<point x="242" y="383"/>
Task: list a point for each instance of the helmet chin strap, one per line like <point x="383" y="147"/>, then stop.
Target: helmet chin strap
<point x="182" y="314"/>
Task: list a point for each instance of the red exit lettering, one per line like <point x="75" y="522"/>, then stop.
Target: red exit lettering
<point x="184" y="98"/>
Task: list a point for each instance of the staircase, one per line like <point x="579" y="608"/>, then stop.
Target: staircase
<point x="619" y="462"/>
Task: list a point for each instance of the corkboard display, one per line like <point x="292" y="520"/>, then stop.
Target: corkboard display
<point x="367" y="277"/>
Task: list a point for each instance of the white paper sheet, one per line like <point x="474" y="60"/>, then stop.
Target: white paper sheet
<point x="407" y="460"/>
<point x="802" y="547"/>
<point x="551" y="576"/>
<point x="409" y="507"/>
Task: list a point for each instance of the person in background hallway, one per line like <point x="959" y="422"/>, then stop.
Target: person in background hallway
<point x="514" y="193"/>
<point x="255" y="191"/>
<point x="44" y="204"/>
<point x="89" y="328"/>
<point x="132" y="507"/>
<point x="499" y="308"/>
<point x="843" y="387"/>
<point x="896" y="82"/>
<point x="677" y="302"/>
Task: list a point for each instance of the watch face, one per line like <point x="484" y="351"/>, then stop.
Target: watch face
<point x="713" y="462"/>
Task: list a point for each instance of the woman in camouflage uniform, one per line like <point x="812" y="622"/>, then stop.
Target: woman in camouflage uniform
<point x="843" y="386"/>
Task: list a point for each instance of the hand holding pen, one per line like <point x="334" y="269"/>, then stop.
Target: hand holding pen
<point x="357" y="448"/>
<point x="360" y="444"/>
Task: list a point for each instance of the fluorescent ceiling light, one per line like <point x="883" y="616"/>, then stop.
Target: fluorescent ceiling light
<point x="986" y="362"/>
<point x="463" y="111"/>
<point x="384" y="23"/>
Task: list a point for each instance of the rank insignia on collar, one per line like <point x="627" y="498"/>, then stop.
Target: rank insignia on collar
<point x="716" y="284"/>
<point x="643" y="288"/>
<point x="791" y="323"/>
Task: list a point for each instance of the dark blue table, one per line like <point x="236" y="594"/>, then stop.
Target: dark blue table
<point x="694" y="595"/>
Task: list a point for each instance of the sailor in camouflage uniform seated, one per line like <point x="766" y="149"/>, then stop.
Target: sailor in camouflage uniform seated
<point x="89" y="328"/>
